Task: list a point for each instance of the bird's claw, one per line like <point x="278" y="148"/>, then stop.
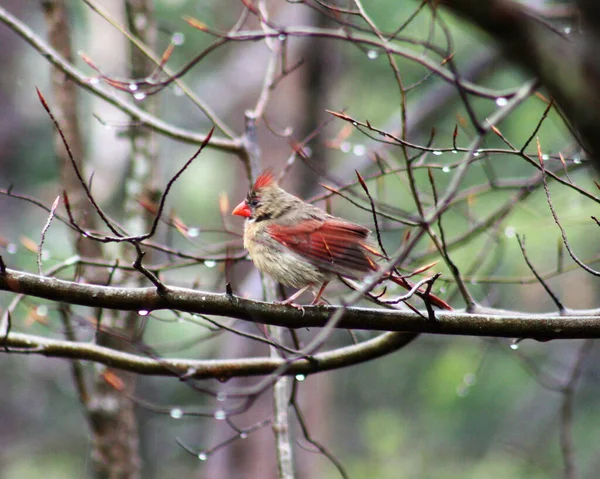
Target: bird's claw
<point x="321" y="302"/>
<point x="299" y="307"/>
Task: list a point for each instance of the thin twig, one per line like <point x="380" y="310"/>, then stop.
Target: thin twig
<point x="374" y="212"/>
<point x="320" y="447"/>
<point x="82" y="181"/>
<point x="553" y="296"/>
<point x="557" y="221"/>
<point x="43" y="235"/>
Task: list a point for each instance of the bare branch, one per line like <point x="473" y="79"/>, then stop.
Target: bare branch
<point x="222" y="369"/>
<point x="486" y="322"/>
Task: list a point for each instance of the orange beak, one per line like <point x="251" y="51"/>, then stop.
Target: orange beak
<point x="242" y="210"/>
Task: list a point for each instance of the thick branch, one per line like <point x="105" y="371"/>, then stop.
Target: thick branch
<point x="488" y="322"/>
<point x="210" y="368"/>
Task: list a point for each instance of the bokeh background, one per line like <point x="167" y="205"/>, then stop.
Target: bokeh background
<point x="443" y="407"/>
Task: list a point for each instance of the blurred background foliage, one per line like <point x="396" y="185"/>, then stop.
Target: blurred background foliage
<point x="443" y="407"/>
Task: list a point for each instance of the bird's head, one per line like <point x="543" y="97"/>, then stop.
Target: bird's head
<point x="265" y="200"/>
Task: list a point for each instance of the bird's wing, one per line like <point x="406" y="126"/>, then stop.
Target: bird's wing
<point x="334" y="245"/>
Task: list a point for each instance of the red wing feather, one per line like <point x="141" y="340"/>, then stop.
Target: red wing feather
<point x="334" y="245"/>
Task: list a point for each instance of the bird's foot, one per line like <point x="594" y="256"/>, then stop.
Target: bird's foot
<point x="320" y="302"/>
<point x="299" y="307"/>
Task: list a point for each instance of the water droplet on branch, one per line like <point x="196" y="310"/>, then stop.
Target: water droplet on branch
<point x="178" y="38"/>
<point x="176" y="413"/>
<point x="220" y="415"/>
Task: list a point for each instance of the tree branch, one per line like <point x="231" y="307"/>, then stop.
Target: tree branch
<point x="484" y="322"/>
<point x="206" y="369"/>
<point x="566" y="65"/>
<point x="151" y="121"/>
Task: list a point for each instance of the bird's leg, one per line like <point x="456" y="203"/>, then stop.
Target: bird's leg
<point x="290" y="300"/>
<point x="297" y="294"/>
<point x="320" y="293"/>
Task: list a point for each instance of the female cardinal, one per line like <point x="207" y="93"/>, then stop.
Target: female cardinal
<point x="301" y="246"/>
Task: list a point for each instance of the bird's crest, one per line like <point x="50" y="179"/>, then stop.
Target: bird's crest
<point x="266" y="178"/>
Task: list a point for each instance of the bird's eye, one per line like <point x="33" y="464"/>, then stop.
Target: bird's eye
<point x="253" y="202"/>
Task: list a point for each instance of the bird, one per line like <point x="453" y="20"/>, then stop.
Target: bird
<point x="301" y="246"/>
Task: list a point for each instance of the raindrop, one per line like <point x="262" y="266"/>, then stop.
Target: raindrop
<point x="454" y="152"/>
<point x="300" y="377"/>
<point x="11" y="248"/>
<point x="94" y="81"/>
<point x="176" y="413"/>
<point x="220" y="415"/>
<point x="139" y="95"/>
<point x="221" y="397"/>
<point x="567" y="30"/>
<point x="203" y="298"/>
<point x="202" y="456"/>
<point x="510" y="231"/>
<point x="178" y="38"/>
<point x="501" y="101"/>
<point x="133" y="87"/>
<point x="372" y="54"/>
<point x="209" y="263"/>
<point x="140" y="20"/>
<point x="437" y="152"/>
<point x="545" y="157"/>
<point x="42" y="310"/>
<point x="281" y="37"/>
<point x="307" y="150"/>
<point x="345" y="147"/>
<point x="514" y="346"/>
<point x="462" y="390"/>
<point x="476" y="153"/>
<point x="243" y="435"/>
<point x="446" y="169"/>
<point x="577" y="161"/>
<point x="193" y="232"/>
<point x="359" y="150"/>
<point x="143" y="312"/>
<point x="469" y="379"/>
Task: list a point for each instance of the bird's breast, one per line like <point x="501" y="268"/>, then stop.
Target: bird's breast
<point x="276" y="260"/>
